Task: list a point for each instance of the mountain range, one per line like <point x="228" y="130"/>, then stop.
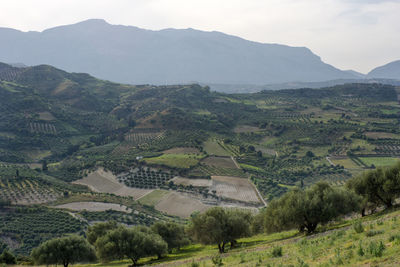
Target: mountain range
<point x="128" y="54"/>
<point x="133" y="55"/>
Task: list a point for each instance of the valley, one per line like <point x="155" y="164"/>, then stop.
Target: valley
<point x="73" y="147"/>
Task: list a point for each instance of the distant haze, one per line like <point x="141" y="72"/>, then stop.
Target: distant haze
<point x="138" y="56"/>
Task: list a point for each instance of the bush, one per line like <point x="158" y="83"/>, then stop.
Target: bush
<point x="217" y="260"/>
<point x="276" y="252"/>
<point x="373" y="232"/>
<point x="375" y="249"/>
<point x="7" y="257"/>
<point x="358" y="227"/>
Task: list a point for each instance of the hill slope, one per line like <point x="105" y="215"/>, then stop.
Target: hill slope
<point x="388" y="71"/>
<point x="138" y="56"/>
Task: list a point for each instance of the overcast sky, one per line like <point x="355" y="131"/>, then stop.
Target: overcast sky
<point x="349" y="34"/>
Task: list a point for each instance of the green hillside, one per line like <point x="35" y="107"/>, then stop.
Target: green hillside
<point x="338" y="244"/>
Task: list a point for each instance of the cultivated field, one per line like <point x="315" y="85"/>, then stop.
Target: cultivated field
<point x="193" y="182"/>
<point x="212" y="147"/>
<point x="27" y="191"/>
<point x="180" y="205"/>
<point x="105" y="182"/>
<point x="46" y="116"/>
<point x="183" y="161"/>
<point x="246" y="129"/>
<point x="182" y="150"/>
<point x="94" y="206"/>
<point x="235" y="188"/>
<point x="223" y="162"/>
<point x="379" y="161"/>
<point x="153" y="198"/>
<point x="381" y="135"/>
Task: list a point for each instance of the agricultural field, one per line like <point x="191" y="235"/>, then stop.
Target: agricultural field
<point x="94" y="206"/>
<point x="105" y="182"/>
<point x="153" y="198"/>
<point x="379" y="161"/>
<point x="180" y="205"/>
<point x="192" y="182"/>
<point x="246" y="129"/>
<point x="212" y="147"/>
<point x="46" y="128"/>
<point x="235" y="188"/>
<point x="223" y="162"/>
<point x="182" y="150"/>
<point x="145" y="178"/>
<point x="182" y="161"/>
<point x="24" y="228"/>
<point x="144" y="138"/>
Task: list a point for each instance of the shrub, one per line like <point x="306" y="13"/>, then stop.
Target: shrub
<point x="194" y="264"/>
<point x="276" y="252"/>
<point x="358" y="227"/>
<point x="375" y="249"/>
<point x="217" y="260"/>
<point x="373" y="232"/>
<point x="360" y="250"/>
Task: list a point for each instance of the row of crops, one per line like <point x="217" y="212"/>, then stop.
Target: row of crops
<point x="121" y="217"/>
<point x="145" y="178"/>
<point x="47" y="128"/>
<point x="28" y="227"/>
<point x="204" y="170"/>
<point x="27" y="191"/>
<point x="143" y="139"/>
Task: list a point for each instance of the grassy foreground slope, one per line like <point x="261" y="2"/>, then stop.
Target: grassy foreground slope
<point x="378" y="244"/>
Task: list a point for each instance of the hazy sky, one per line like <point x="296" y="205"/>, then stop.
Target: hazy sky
<point x="349" y="34"/>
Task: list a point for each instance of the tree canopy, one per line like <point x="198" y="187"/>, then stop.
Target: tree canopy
<point x="172" y="233"/>
<point x="98" y="230"/>
<point x="133" y="243"/>
<point x="220" y="226"/>
<point x="378" y="187"/>
<point x="305" y="209"/>
<point x="64" y="250"/>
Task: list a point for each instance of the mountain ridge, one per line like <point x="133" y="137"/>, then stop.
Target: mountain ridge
<point x="137" y="56"/>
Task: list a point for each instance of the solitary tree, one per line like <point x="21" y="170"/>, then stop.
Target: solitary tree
<point x="172" y="233"/>
<point x="64" y="250"/>
<point x="220" y="226"/>
<point x="133" y="243"/>
<point x="306" y="209"/>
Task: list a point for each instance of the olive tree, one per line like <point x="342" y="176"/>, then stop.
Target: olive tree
<point x="132" y="243"/>
<point x="377" y="187"/>
<point x="64" y="250"/>
<point x="305" y="209"/>
<point x="172" y="233"/>
<point x="98" y="230"/>
<point x="220" y="226"/>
